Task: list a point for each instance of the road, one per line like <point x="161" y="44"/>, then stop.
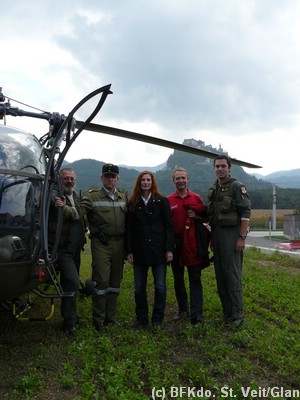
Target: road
<point x="262" y="238"/>
<point x="264" y="241"/>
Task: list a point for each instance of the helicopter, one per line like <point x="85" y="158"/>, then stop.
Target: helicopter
<point x="29" y="172"/>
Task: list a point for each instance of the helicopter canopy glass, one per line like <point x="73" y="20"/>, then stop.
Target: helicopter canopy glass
<point x="20" y="194"/>
<point x="19" y="150"/>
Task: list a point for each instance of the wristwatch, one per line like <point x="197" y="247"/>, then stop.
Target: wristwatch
<point x="243" y="237"/>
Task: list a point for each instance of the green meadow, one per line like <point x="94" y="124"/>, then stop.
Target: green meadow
<point x="180" y="361"/>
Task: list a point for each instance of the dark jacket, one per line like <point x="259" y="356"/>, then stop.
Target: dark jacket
<point x="69" y="224"/>
<point x="150" y="232"/>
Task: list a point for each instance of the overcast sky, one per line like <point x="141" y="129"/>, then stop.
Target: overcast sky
<point x="223" y="71"/>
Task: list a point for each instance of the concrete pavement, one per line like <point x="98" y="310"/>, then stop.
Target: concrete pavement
<point x="264" y="240"/>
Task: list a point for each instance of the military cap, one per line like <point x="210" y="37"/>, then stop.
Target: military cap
<point x="110" y="169"/>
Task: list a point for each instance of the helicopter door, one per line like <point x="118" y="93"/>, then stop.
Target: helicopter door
<point x="18" y="211"/>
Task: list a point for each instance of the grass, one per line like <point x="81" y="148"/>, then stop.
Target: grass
<point x="39" y="362"/>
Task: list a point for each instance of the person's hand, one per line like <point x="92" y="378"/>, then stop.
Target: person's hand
<point x="240" y="244"/>
<point x="191" y="213"/>
<point x="130" y="258"/>
<point x="169" y="256"/>
<point x="60" y="201"/>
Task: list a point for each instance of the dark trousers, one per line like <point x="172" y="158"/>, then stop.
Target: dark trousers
<point x="196" y="290"/>
<point x="180" y="289"/>
<point x="140" y="293"/>
<point x="68" y="264"/>
<point x="69" y="280"/>
<point x="228" y="268"/>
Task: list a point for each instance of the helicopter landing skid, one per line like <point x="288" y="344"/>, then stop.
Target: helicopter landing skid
<point x="20" y="316"/>
<point x="20" y="308"/>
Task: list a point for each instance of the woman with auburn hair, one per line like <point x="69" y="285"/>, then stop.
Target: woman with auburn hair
<point x="150" y="241"/>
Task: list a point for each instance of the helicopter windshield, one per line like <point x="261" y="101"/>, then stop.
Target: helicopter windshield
<point x="14" y="203"/>
<point x="20" y="163"/>
<point x="18" y="210"/>
<point x="20" y="150"/>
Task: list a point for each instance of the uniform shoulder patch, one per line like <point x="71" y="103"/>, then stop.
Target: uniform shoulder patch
<point x="93" y="190"/>
<point x="243" y="190"/>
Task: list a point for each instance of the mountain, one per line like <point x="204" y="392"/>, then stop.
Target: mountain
<point x="88" y="172"/>
<point x="200" y="169"/>
<point x="140" y="169"/>
<point x="285" y="179"/>
<point x="201" y="172"/>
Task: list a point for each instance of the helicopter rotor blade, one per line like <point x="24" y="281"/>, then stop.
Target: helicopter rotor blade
<point x="157" y="141"/>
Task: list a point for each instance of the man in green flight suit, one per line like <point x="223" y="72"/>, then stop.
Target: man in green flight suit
<point x="105" y="210"/>
<point x="229" y="210"/>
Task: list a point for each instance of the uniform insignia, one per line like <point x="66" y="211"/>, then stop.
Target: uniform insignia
<point x="243" y="190"/>
<point x="93" y="190"/>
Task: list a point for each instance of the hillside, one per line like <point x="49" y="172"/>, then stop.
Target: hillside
<point x="285" y="179"/>
<point x="152" y="169"/>
<point x="201" y="177"/>
<point x="88" y="174"/>
<point x="201" y="172"/>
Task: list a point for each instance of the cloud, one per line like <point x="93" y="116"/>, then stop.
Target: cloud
<point x="191" y="66"/>
<point x="219" y="71"/>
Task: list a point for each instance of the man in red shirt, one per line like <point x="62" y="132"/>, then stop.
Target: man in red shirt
<point x="186" y="207"/>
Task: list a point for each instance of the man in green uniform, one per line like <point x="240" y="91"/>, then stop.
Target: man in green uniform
<point x="105" y="210"/>
<point x="229" y="210"/>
